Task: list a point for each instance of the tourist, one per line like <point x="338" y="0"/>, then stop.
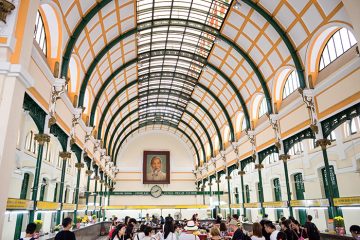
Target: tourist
<point x="223" y="229"/>
<point x="66" y="234"/>
<point x="355" y="231"/>
<point x="130" y="228"/>
<point x="281" y="236"/>
<point x="119" y="233"/>
<point x="30" y="230"/>
<point x="311" y="229"/>
<point x="147" y="233"/>
<point x="140" y="234"/>
<point x="285" y="227"/>
<point x="126" y="220"/>
<point x="215" y="233"/>
<point x="270" y="229"/>
<point x="238" y="233"/>
<point x="262" y="223"/>
<point x="113" y="227"/>
<point x="257" y="232"/>
<point x="190" y="228"/>
<point x="299" y="232"/>
<point x="169" y="229"/>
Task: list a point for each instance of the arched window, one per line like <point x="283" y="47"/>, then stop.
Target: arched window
<point x="243" y="126"/>
<point x="297" y="149"/>
<point x="332" y="136"/>
<point x="239" y="120"/>
<point x="226" y="134"/>
<point x="87" y="101"/>
<point x="74" y="74"/>
<point x="39" y="33"/>
<point x="292" y="83"/>
<point x="340" y="42"/>
<point x="352" y="126"/>
<point x="272" y="158"/>
<point x="263" y="108"/>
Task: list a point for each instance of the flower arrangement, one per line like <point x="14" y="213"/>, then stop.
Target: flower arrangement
<point x="339" y="221"/>
<point x="39" y="224"/>
<point x="85" y="219"/>
<point x="78" y="219"/>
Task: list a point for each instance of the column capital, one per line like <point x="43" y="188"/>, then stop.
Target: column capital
<point x="284" y="157"/>
<point x="218" y="181"/>
<point x="79" y="165"/>
<point x="101" y="181"/>
<point x="228" y="177"/>
<point x="89" y="172"/>
<point x="65" y="155"/>
<point x="241" y="173"/>
<point x="42" y="138"/>
<point x="97" y="178"/>
<point x="259" y="166"/>
<point x="323" y="143"/>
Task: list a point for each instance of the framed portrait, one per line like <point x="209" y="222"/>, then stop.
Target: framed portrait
<point x="156" y="167"/>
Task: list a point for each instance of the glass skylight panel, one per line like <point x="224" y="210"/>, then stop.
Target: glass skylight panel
<point x="170" y="41"/>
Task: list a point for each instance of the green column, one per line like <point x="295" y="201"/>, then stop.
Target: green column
<point x="218" y="194"/>
<point x="110" y="189"/>
<point x="79" y="166"/>
<point x="101" y="189"/>
<point x="105" y="193"/>
<point x="284" y="158"/>
<point x="242" y="173"/>
<point x="260" y="187"/>
<point x="19" y="217"/>
<point x="96" y="168"/>
<point x="323" y="143"/>
<point x="64" y="156"/>
<point x="88" y="173"/>
<point x="210" y="184"/>
<point x="41" y="139"/>
<point x="228" y="177"/>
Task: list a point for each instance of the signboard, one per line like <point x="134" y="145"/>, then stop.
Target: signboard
<point x="282" y="204"/>
<point x="236" y="205"/>
<point x="19" y="204"/>
<point x="47" y="205"/>
<point x="81" y="207"/>
<point x="118" y="207"/>
<point x="252" y="205"/>
<point x="68" y="206"/>
<point x="145" y="193"/>
<point x="310" y="203"/>
<point x="347" y="201"/>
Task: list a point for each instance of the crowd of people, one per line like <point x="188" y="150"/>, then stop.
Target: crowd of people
<point x="231" y="229"/>
<point x="169" y="229"/>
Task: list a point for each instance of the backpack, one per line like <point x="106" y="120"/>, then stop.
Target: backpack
<point x="312" y="231"/>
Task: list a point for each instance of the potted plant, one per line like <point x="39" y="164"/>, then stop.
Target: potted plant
<point x="78" y="221"/>
<point x="57" y="228"/>
<point x="85" y="219"/>
<point x="39" y="224"/>
<point x="339" y="225"/>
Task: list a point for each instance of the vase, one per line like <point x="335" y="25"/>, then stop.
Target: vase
<point x="340" y="230"/>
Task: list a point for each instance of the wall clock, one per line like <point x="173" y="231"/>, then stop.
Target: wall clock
<point x="156" y="191"/>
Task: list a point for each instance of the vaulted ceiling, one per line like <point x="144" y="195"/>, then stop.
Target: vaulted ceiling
<point x="187" y="66"/>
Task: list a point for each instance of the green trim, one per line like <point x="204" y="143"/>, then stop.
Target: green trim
<point x="136" y="97"/>
<point x="291" y="141"/>
<point x="146" y="193"/>
<point x="266" y="152"/>
<point x="35" y="112"/>
<point x="185" y="123"/>
<point x="284" y="37"/>
<point x="62" y="182"/>
<point x="73" y="38"/>
<point x="164" y="123"/>
<point x="288" y="191"/>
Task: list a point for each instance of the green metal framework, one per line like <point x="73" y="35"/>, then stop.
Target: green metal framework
<point x="284" y="37"/>
<point x="331" y="123"/>
<point x="291" y="141"/>
<point x="35" y="112"/>
<point x="192" y="100"/>
<point x="123" y="130"/>
<point x="266" y="152"/>
<point x="161" y="123"/>
<point x="159" y="104"/>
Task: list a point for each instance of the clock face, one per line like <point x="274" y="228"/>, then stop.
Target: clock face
<point x="156" y="191"/>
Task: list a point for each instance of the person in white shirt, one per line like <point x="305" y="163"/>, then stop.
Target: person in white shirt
<point x="156" y="174"/>
<point x="189" y="234"/>
<point x="257" y="232"/>
<point x="147" y="233"/>
<point x="140" y="234"/>
<point x="271" y="229"/>
<point x="30" y="231"/>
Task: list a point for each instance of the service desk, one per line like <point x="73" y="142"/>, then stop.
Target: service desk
<point x="89" y="232"/>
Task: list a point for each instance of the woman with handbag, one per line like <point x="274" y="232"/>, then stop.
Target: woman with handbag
<point x="299" y="232"/>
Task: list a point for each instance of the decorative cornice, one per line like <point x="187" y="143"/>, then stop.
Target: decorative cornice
<point x="323" y="143"/>
<point x="5" y="8"/>
<point x="41" y="138"/>
<point x="79" y="165"/>
<point x="65" y="155"/>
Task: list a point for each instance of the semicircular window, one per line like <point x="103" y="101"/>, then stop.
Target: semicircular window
<point x="39" y="33"/>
